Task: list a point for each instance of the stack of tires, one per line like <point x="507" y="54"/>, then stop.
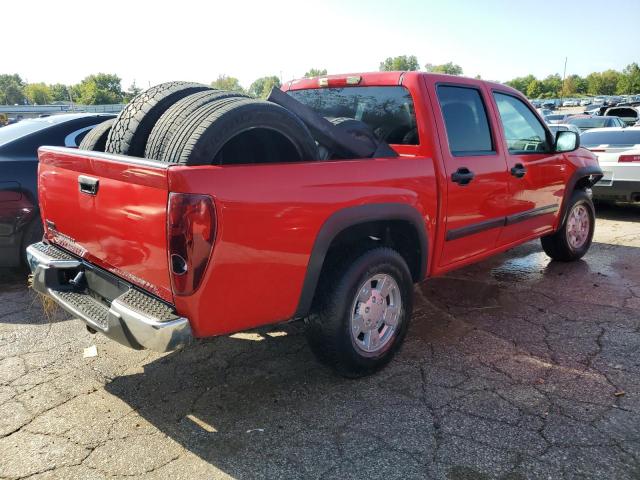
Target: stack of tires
<point x="192" y="124"/>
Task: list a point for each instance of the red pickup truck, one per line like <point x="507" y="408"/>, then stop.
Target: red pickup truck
<point x="153" y="254"/>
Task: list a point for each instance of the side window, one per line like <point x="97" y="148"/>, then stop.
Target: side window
<point x="466" y="120"/>
<point x="523" y="131"/>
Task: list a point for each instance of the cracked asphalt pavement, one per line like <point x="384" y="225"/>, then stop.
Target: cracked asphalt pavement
<point x="514" y="368"/>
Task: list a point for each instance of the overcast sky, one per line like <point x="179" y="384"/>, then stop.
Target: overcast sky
<point x="151" y="42"/>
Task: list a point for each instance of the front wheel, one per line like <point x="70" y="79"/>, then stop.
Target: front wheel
<point x="573" y="239"/>
<point x="362" y="314"/>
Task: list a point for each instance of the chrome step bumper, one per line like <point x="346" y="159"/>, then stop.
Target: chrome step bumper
<point x="132" y="318"/>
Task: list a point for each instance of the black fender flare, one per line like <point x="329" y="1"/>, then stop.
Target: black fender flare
<point x="348" y="217"/>
<point x="592" y="173"/>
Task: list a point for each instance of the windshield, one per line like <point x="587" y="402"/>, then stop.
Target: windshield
<point x="387" y="110"/>
<point x="588" y="122"/>
<point x="620" y="138"/>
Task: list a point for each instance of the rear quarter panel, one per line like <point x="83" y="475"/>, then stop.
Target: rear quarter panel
<point x="268" y="218"/>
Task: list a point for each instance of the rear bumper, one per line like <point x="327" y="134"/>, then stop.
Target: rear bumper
<point x="620" y="190"/>
<point x="106" y="303"/>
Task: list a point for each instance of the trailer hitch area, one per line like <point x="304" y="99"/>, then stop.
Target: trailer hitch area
<point x="79" y="282"/>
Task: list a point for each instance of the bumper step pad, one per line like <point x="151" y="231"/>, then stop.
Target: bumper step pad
<point x="133" y="318"/>
<point x="86" y="306"/>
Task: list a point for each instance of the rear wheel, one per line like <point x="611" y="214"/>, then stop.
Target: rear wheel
<point x="362" y="313"/>
<point x="573" y="239"/>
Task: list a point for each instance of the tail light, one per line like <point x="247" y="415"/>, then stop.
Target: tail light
<point x="339" y="81"/>
<point x="191" y="229"/>
<point x="628" y="158"/>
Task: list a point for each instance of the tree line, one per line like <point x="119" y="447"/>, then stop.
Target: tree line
<point x="609" y="82"/>
<point x="97" y="89"/>
<point x="104" y="88"/>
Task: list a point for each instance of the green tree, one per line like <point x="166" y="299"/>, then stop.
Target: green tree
<point x="99" y="89"/>
<point x="11" y="89"/>
<point x="449" y="68"/>
<point x="261" y="88"/>
<point x="594" y="83"/>
<point x="59" y="92"/>
<point x="569" y="86"/>
<point x="629" y="81"/>
<point x="224" y="82"/>
<point x="315" y="72"/>
<point x="552" y="85"/>
<point x="133" y="91"/>
<point x="521" y="83"/>
<point x="579" y="84"/>
<point x="610" y="80"/>
<point x="534" y="89"/>
<point x="402" y="62"/>
<point x="38" y="93"/>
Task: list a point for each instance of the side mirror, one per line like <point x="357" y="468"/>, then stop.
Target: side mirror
<point x="567" y="141"/>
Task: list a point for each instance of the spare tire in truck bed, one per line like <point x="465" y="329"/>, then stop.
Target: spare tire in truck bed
<point x="96" y="139"/>
<point x="360" y="131"/>
<point x="130" y="131"/>
<point x="172" y="121"/>
<point x="240" y="131"/>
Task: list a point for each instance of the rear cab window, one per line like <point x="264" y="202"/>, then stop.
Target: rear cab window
<point x="387" y="110"/>
<point x="466" y="121"/>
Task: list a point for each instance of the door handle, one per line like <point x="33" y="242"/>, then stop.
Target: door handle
<point x="518" y="170"/>
<point x="88" y="185"/>
<point x="462" y="176"/>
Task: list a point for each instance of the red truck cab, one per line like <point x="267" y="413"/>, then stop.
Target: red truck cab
<point x="335" y="242"/>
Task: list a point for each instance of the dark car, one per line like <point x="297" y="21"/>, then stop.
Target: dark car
<point x="585" y="122"/>
<point x="628" y="114"/>
<point x="19" y="214"/>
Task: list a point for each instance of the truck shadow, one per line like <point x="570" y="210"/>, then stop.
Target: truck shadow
<point x="258" y="405"/>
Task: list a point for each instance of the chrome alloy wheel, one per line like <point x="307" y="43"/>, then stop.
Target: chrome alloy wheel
<point x="375" y="314"/>
<point x="578" y="226"/>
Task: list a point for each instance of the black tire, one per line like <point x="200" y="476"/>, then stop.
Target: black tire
<point x="130" y="131"/>
<point x="557" y="245"/>
<point x="96" y="139"/>
<point x="240" y="130"/>
<point x="329" y="325"/>
<point x="33" y="233"/>
<point x="172" y="121"/>
<point x="358" y="130"/>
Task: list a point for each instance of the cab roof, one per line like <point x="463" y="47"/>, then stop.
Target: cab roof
<point x="383" y="79"/>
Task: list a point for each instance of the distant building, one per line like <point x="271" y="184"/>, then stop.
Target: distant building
<point x="34" y="111"/>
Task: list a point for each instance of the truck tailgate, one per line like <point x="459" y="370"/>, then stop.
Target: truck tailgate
<point x="111" y="210"/>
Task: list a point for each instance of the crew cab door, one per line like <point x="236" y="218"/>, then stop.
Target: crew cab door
<point x="475" y="172"/>
<point x="536" y="173"/>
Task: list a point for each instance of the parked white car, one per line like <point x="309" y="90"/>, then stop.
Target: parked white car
<point x="618" y="151"/>
<point x="570" y="103"/>
<point x="585" y="101"/>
